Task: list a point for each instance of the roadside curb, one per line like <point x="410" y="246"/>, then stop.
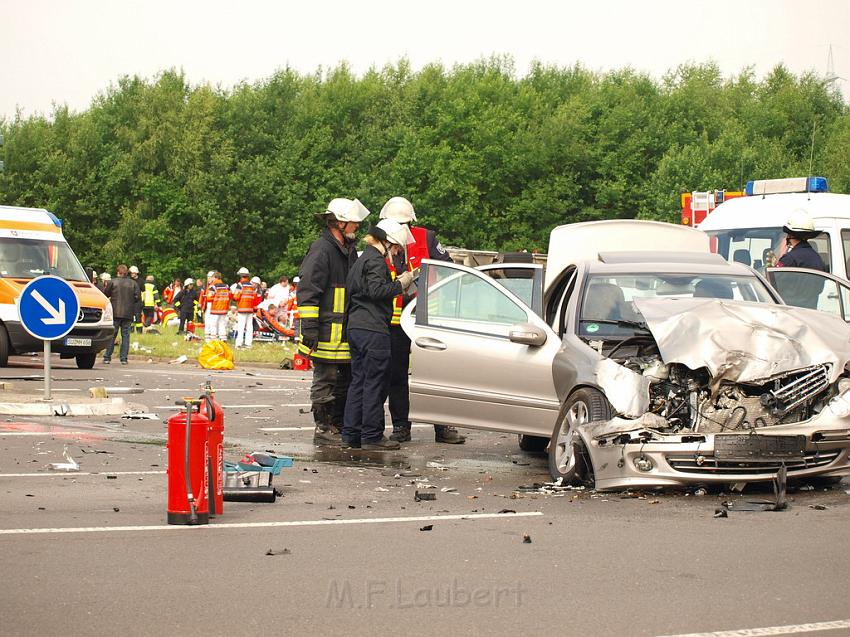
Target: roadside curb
<point x="106" y="407"/>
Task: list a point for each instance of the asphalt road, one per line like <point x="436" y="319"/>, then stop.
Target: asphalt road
<point x="89" y="554"/>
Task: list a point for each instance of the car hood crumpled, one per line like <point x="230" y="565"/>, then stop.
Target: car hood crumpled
<point x="740" y="341"/>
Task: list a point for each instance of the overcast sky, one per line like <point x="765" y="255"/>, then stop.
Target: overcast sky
<point x="67" y="51"/>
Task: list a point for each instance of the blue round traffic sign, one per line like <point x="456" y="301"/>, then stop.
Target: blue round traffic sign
<point x="48" y="307"/>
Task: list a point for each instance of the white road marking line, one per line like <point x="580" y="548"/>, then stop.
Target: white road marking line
<point x="261" y="525"/>
<point x="45" y="433"/>
<point x="297" y="405"/>
<point x="55" y="390"/>
<point x="311" y="427"/>
<point x="228" y="376"/>
<point x="65" y="474"/>
<point x="773" y="630"/>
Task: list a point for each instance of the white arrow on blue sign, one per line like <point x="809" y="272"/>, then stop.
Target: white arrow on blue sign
<point x="48" y="307"/>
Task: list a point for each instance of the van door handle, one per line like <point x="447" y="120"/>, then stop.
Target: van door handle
<point x="430" y="343"/>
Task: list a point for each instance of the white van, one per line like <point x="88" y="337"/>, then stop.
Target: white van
<point x="749" y="230"/>
<point x="32" y="244"/>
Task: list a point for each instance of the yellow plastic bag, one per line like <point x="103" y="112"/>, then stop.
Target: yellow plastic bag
<point x="216" y="355"/>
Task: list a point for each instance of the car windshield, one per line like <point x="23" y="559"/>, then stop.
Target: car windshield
<point x="760" y="247"/>
<point x="606" y="308"/>
<point x="29" y="258"/>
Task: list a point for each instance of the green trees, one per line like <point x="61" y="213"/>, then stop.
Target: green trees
<point x="179" y="179"/>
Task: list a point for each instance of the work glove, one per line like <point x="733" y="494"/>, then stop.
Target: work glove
<point x="406" y="280"/>
<point x="310" y="336"/>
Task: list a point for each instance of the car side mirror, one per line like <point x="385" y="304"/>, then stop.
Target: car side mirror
<point x="527" y="334"/>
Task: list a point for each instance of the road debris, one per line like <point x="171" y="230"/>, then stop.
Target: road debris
<point x="179" y="360"/>
<point x="427" y="527"/>
<point x="419" y="496"/>
<point x="818" y="507"/>
<point x="284" y="551"/>
<point x="721" y="513"/>
<point x="448" y="490"/>
<point x="69" y="465"/>
<point x="140" y="416"/>
<point x="526" y="538"/>
<point x="507" y="511"/>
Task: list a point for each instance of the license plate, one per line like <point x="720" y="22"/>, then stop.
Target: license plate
<point x="78" y="342"/>
<point x="746" y="447"/>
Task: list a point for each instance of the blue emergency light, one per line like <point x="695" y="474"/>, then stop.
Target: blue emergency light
<point x="782" y="186"/>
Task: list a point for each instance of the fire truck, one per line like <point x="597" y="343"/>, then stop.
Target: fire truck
<point x="697" y="205"/>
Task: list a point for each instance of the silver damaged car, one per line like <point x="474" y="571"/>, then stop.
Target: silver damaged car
<point x="638" y="358"/>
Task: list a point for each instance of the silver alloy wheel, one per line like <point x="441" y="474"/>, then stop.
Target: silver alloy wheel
<point x="565" y="458"/>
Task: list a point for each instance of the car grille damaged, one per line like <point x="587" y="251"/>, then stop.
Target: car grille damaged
<point x="795" y="389"/>
<point x="710" y="465"/>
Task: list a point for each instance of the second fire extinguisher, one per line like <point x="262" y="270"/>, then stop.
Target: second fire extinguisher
<point x="215" y="414"/>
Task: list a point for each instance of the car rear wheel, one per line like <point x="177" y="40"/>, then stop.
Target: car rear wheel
<point x="86" y="361"/>
<point x="568" y="458"/>
<point x="533" y="444"/>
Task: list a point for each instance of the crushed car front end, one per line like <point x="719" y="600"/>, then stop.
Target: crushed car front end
<point x="711" y="390"/>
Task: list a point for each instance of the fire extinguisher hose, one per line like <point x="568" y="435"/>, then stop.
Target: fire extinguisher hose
<point x="193" y="515"/>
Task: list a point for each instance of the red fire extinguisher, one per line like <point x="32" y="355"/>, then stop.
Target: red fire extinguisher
<point x="215" y="414"/>
<point x="188" y="451"/>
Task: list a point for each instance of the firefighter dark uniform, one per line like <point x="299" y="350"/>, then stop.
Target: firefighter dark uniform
<point x="426" y="247"/>
<point x="801" y="290"/>
<point x="371" y="290"/>
<point x="321" y="302"/>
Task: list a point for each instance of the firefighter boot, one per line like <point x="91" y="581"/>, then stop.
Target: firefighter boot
<point x="325" y="434"/>
<point x="448" y="435"/>
<point x="401" y="434"/>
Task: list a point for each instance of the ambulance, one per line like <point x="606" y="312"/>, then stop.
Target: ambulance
<point x="748" y="230"/>
<point x="32" y="245"/>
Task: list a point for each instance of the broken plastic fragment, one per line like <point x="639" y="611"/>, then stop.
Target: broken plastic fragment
<point x="69" y="465"/>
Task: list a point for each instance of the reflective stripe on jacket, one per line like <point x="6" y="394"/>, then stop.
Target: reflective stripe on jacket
<point x="150" y="295"/>
<point x="245" y="296"/>
<point x="218" y="297"/>
<point x="322" y="299"/>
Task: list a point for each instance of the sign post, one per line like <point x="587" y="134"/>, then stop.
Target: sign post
<point x="48" y="308"/>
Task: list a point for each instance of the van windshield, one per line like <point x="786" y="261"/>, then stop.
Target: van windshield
<point x="760" y="248"/>
<point x="29" y="258"/>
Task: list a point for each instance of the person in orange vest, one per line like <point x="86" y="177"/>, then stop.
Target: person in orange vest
<point x="426" y="246"/>
<point x="245" y="293"/>
<point x="218" y="299"/>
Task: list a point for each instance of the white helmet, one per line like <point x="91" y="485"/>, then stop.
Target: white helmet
<point x="800" y="225"/>
<point x="256" y="280"/>
<point x="296" y="279"/>
<point x="134" y="269"/>
<point x="347" y="210"/>
<point x="242" y="272"/>
<point x="105" y="276"/>
<point x="398" y="209"/>
<point x="189" y="281"/>
<point x="396" y="232"/>
<point x="210" y="274"/>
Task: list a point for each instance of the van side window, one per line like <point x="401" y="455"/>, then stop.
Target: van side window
<point x="845" y="244"/>
<point x="821" y="245"/>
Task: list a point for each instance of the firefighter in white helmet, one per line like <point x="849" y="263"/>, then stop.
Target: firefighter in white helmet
<point x="137" y="308"/>
<point x="799" y="289"/>
<point x="322" y="301"/>
<point x="245" y="293"/>
<point x="371" y="289"/>
<point x="425" y="246"/>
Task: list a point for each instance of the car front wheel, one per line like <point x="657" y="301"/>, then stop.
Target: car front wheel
<point x="86" y="361"/>
<point x="567" y="455"/>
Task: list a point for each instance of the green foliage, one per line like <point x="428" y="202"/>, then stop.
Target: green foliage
<point x="180" y="179"/>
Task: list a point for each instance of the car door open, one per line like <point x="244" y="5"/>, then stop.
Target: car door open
<point x="811" y="289"/>
<point x="480" y="357"/>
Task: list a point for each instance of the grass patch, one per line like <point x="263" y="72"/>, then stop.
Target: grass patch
<point x="168" y="344"/>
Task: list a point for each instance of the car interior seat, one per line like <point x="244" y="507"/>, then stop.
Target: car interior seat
<point x="710" y="289"/>
<point x="742" y="256"/>
<point x="604" y="301"/>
